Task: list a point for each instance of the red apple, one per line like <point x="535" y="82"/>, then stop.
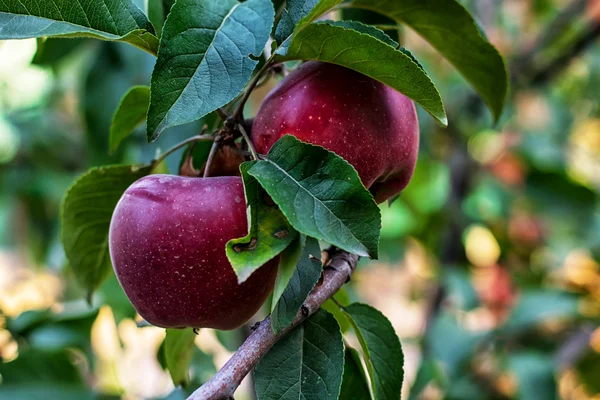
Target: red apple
<point x="167" y="245"/>
<point x="369" y="124"/>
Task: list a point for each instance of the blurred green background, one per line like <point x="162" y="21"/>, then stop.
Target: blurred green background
<point x="490" y="259"/>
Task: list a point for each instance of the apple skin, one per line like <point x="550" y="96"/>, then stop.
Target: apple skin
<point x="167" y="244"/>
<point x="370" y="125"/>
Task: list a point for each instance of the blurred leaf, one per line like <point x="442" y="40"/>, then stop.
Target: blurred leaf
<point x="111" y="293"/>
<point x="178" y="350"/>
<point x="50" y="390"/>
<point x="369" y="56"/>
<point x="307" y="363"/>
<point x="354" y="382"/>
<point x="231" y="340"/>
<point x="461" y="293"/>
<point x="429" y="372"/>
<point x="51" y="51"/>
<point x="39" y="366"/>
<point x="312" y="187"/>
<point x="305" y="276"/>
<point x="208" y="52"/>
<point x="451" y="30"/>
<point x="130" y="114"/>
<point x="269" y="233"/>
<point x="534" y="307"/>
<point x="535" y="375"/>
<point x="86" y="213"/>
<point x="588" y="371"/>
<point x="117" y="20"/>
<point x="381" y="348"/>
<point x="450" y="343"/>
<point x="299" y="13"/>
<point x="429" y="187"/>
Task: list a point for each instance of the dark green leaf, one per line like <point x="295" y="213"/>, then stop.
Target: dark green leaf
<point x="307" y="363"/>
<point x="449" y="27"/>
<point x="299" y="13"/>
<point x="130" y="114"/>
<point x="305" y="276"/>
<point x="321" y="195"/>
<point x="269" y="233"/>
<point x="118" y="20"/>
<point x="178" y="350"/>
<point x="86" y="212"/>
<point x="354" y="383"/>
<point x="535" y="375"/>
<point x="208" y="51"/>
<point x="368" y="29"/>
<point x="37" y="367"/>
<point x="369" y="56"/>
<point x="533" y="308"/>
<point x="157" y="13"/>
<point x="287" y="266"/>
<point x="50" y="51"/>
<point x="381" y="348"/>
<point x="342" y="298"/>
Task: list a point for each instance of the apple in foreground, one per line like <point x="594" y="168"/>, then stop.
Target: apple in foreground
<point x="370" y="125"/>
<point x="167" y="245"/>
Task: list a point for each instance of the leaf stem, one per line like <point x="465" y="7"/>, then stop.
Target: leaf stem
<point x="238" y="114"/>
<point x="178" y="146"/>
<point x="248" y="141"/>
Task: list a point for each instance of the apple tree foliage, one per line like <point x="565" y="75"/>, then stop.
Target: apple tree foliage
<point x="208" y="54"/>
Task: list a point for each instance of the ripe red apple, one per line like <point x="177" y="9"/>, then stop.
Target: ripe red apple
<point x="167" y="245"/>
<point x="369" y="124"/>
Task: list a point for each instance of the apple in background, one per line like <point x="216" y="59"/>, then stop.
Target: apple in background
<point x="369" y="124"/>
<point x="167" y="245"/>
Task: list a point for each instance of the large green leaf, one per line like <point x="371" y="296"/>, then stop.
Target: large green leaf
<point x="305" y="364"/>
<point x="354" y="383"/>
<point x="321" y="195"/>
<point x="381" y="348"/>
<point x="118" y="20"/>
<point x="208" y="50"/>
<point x="305" y="276"/>
<point x="269" y="233"/>
<point x="178" y="350"/>
<point x="364" y="53"/>
<point x="299" y="13"/>
<point x="86" y="212"/>
<point x="130" y="114"/>
<point x="449" y="27"/>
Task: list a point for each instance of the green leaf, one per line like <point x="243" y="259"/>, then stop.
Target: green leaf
<point x="178" y="350"/>
<point x="368" y="29"/>
<point x="535" y="373"/>
<point x="305" y="276"/>
<point x="51" y="51"/>
<point x="305" y="364"/>
<point x="117" y="20"/>
<point x="85" y="219"/>
<point x="342" y="298"/>
<point x="381" y="348"/>
<point x="534" y="307"/>
<point x="368" y="55"/>
<point x="287" y="266"/>
<point x="321" y="195"/>
<point x="208" y="51"/>
<point x="269" y="233"/>
<point x="130" y="114"/>
<point x="354" y="383"/>
<point x="299" y="13"/>
<point x="157" y="13"/>
<point x="451" y="30"/>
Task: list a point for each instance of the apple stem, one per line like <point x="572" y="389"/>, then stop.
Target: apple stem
<point x="248" y="141"/>
<point x="225" y="382"/>
<point x="178" y="146"/>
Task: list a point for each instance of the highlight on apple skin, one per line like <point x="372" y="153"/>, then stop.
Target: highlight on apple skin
<point x="167" y="245"/>
<point x="370" y="125"/>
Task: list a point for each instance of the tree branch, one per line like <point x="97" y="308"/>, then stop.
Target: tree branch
<point x="224" y="383"/>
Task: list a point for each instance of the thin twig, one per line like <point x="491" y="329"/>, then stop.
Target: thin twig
<point x="222" y="114"/>
<point x="178" y="146"/>
<point x="211" y="156"/>
<point x="238" y="114"/>
<point x="225" y="382"/>
<point x="248" y="141"/>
